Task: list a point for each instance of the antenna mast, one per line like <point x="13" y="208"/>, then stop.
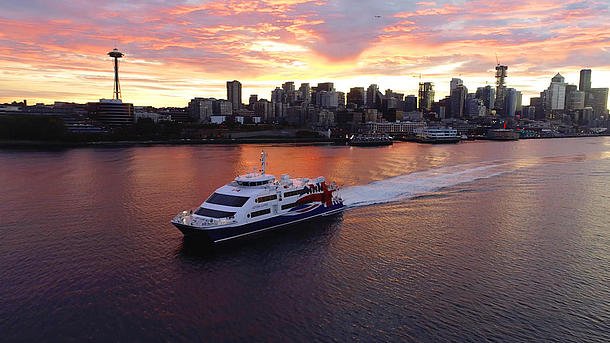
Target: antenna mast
<point x="263" y="155"/>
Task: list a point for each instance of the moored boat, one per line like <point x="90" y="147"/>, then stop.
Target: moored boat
<point x="370" y="140"/>
<point x="503" y="135"/>
<point x="257" y="202"/>
<point x="436" y="135"/>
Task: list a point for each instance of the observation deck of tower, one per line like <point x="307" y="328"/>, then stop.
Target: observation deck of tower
<point x="116" y="54"/>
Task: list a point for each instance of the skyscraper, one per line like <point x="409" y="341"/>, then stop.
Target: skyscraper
<point x="585" y="80"/>
<point x="458" y="99"/>
<point x="289" y="92"/>
<point x="371" y="96"/>
<point x="556" y="95"/>
<point x="510" y="102"/>
<point x="356" y="96"/>
<point x="501" y="73"/>
<point x="426" y="96"/>
<point x="252" y="100"/>
<point x="410" y="103"/>
<point x="277" y="95"/>
<point x="234" y="93"/>
<point x="575" y="99"/>
<point x="598" y="100"/>
<point x="455" y="82"/>
<point x="488" y="95"/>
<point x="305" y="93"/>
<point x="326" y="86"/>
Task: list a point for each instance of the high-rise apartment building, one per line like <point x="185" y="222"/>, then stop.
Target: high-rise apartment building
<point x="304" y="93"/>
<point x="234" y="93"/>
<point x="426" y="96"/>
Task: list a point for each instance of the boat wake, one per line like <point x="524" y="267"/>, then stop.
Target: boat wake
<point x="414" y="184"/>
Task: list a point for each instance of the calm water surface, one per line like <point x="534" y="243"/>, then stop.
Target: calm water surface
<point x="480" y="241"/>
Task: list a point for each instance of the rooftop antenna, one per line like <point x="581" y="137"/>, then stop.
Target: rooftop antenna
<point x="263" y="155"/>
<point x="497" y="59"/>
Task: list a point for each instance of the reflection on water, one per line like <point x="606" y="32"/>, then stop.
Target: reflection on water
<point x="477" y="241"/>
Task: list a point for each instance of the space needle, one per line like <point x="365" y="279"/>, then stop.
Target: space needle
<point x="116" y="54"/>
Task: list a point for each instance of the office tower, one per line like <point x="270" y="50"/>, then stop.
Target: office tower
<point x="488" y="95"/>
<point x="391" y="94"/>
<point x="356" y="96"/>
<point x="455" y="82"/>
<point x="341" y="99"/>
<point x="326" y="86"/>
<point x="371" y="96"/>
<point x="327" y="99"/>
<point x="474" y="107"/>
<point x="556" y="94"/>
<point x="222" y="107"/>
<point x="510" y="102"/>
<point x="598" y="100"/>
<point x="458" y="98"/>
<point x="501" y="74"/>
<point x="234" y="93"/>
<point x="410" y="103"/>
<point x="528" y="112"/>
<point x="538" y="104"/>
<point x="264" y="109"/>
<point x="200" y="109"/>
<point x="585" y="80"/>
<point x="426" y="96"/>
<point x="575" y="99"/>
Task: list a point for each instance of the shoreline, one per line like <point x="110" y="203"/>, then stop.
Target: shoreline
<point x="29" y="144"/>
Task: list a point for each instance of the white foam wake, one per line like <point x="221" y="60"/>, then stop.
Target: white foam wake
<point x="410" y="185"/>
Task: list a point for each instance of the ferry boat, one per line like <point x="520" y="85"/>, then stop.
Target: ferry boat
<point x="436" y="135"/>
<point x="257" y="202"/>
<point x="370" y="140"/>
<point x="502" y="135"/>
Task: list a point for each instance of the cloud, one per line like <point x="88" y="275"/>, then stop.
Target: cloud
<point x="199" y="44"/>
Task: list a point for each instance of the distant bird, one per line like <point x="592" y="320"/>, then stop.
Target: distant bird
<point x="377" y="16"/>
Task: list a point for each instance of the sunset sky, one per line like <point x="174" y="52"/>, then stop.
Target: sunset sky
<point x="180" y="49"/>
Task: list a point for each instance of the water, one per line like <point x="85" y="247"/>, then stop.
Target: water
<point x="480" y="241"/>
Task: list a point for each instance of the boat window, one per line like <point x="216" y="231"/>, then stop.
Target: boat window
<point x="227" y="200"/>
<point x="295" y="204"/>
<point x="261" y="212"/>
<point x="287" y="206"/>
<point x="206" y="212"/>
<point x="297" y="192"/>
<point x="267" y="198"/>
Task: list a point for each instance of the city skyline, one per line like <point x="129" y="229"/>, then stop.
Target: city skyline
<point x="177" y="52"/>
